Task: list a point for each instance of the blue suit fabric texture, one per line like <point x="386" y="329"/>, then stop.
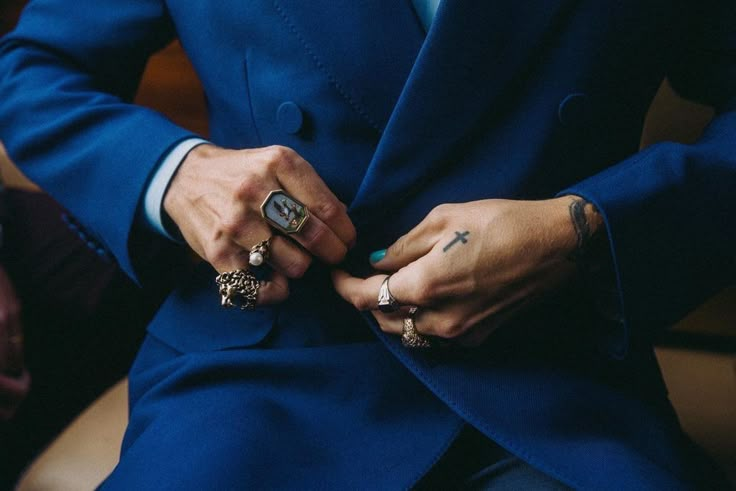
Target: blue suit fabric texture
<point x="500" y="99"/>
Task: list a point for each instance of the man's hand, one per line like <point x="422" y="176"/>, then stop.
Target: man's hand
<point x="470" y="266"/>
<point x="215" y="199"/>
<point x="14" y="379"/>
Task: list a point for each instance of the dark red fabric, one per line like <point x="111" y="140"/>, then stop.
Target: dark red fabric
<point x="82" y="320"/>
<point x="49" y="262"/>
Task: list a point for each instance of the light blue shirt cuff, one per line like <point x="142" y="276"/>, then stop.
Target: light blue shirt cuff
<point x="153" y="199"/>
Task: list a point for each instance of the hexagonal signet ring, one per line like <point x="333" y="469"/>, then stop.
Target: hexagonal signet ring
<point x="283" y="212"/>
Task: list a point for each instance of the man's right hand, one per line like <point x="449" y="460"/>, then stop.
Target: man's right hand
<point x="215" y="200"/>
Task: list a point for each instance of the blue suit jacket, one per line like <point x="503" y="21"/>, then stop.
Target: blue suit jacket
<point x="505" y="99"/>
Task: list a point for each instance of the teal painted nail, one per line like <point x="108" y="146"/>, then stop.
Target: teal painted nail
<point x="377" y="256"/>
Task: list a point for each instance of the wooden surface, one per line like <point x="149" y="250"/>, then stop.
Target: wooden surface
<point x="88" y="449"/>
<point x="672" y="118"/>
<point x="702" y="387"/>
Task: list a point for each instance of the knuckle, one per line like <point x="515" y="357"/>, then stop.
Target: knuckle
<point x="422" y="295"/>
<point x="424" y="290"/>
<point x="449" y="329"/>
<point x="279" y="155"/>
<point x="281" y="151"/>
<point x="274" y="293"/>
<point x="296" y="267"/>
<point x="360" y="302"/>
<point x="313" y="235"/>
<point x="216" y="254"/>
<point x="444" y="209"/>
<point x="441" y="214"/>
<point x="440" y="209"/>
<point x="397" y="248"/>
<point x="248" y="190"/>
<point x="455" y="330"/>
<point x="230" y="226"/>
<point x="328" y="210"/>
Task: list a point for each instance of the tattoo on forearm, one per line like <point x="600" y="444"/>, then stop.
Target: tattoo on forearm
<point x="591" y="256"/>
<point x="460" y="237"/>
<point x="583" y="230"/>
<point x="580" y="222"/>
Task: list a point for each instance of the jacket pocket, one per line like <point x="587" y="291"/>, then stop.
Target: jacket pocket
<point x="191" y="319"/>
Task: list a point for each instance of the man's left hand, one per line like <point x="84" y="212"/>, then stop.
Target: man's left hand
<point x="470" y="266"/>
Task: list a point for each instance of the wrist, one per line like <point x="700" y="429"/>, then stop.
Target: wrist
<point x="201" y="153"/>
<point x="173" y="198"/>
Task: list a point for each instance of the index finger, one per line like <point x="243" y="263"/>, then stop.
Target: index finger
<point x="362" y="293"/>
<point x="413" y="285"/>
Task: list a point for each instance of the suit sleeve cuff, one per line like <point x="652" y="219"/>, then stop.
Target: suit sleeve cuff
<point x="153" y="199"/>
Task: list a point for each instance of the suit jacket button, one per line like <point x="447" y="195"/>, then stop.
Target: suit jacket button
<point x="573" y="110"/>
<point x="69" y="222"/>
<point x="290" y="117"/>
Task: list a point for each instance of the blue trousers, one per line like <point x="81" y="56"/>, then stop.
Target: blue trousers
<point x="473" y="462"/>
<point x="184" y="452"/>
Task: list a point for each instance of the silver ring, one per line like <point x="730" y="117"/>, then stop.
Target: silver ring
<point x="260" y="252"/>
<point x="238" y="288"/>
<point x="410" y="337"/>
<point x="386" y="302"/>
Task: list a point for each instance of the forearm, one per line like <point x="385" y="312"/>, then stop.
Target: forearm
<point x="668" y="214"/>
<point x="669" y="210"/>
<point x="64" y="115"/>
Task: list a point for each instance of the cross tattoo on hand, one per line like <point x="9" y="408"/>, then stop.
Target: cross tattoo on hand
<point x="459" y="237"/>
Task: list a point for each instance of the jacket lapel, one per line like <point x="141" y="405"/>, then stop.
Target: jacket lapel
<point x="475" y="56"/>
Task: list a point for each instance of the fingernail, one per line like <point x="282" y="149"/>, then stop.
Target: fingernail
<point x="377" y="256"/>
